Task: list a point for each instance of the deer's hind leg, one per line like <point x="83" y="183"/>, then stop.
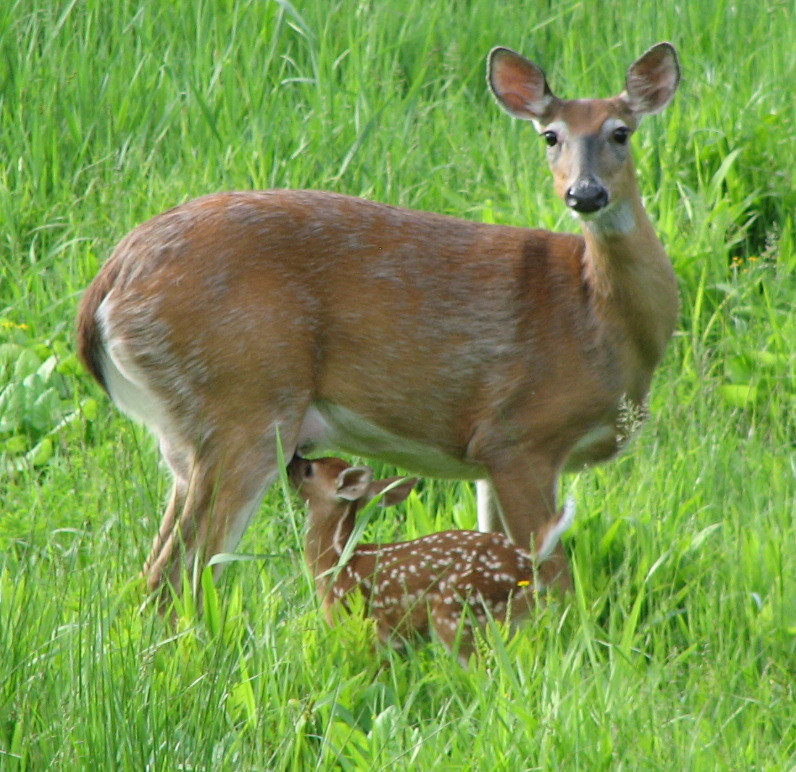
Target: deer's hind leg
<point x="211" y="507"/>
<point x="217" y="405"/>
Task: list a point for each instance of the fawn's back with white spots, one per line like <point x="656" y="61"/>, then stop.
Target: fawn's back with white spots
<point x="410" y="587"/>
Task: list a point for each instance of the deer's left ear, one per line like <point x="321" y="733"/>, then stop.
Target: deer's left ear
<point x="353" y="482"/>
<point x="651" y="80"/>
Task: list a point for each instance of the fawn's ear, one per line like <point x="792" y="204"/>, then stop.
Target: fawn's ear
<point x="353" y="483"/>
<point x="396" y="494"/>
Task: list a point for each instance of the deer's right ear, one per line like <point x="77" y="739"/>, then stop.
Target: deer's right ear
<point x="353" y="482"/>
<point x="519" y="86"/>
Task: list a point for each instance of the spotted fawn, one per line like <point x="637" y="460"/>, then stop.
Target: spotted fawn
<point x="414" y="586"/>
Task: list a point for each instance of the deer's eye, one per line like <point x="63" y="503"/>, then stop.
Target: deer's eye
<point x="621" y="135"/>
<point x="308" y="470"/>
<point x="550" y="138"/>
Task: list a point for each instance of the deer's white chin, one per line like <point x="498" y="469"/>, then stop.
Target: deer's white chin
<point x="611" y="219"/>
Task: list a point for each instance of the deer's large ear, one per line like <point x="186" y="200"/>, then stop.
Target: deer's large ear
<point x="353" y="482"/>
<point x="394" y="495"/>
<point x="651" y="80"/>
<point x="519" y="86"/>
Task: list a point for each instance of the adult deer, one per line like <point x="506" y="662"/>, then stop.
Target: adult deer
<point x="414" y="586"/>
<point x="452" y="348"/>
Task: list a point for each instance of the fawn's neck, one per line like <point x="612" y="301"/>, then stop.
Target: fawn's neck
<point x="325" y="541"/>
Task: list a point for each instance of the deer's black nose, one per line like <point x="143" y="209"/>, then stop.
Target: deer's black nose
<point x="586" y="196"/>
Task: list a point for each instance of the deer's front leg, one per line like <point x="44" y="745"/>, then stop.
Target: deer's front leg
<point x="490" y="518"/>
<point x="525" y="486"/>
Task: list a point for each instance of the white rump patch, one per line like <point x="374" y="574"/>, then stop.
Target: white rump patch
<point x="127" y="385"/>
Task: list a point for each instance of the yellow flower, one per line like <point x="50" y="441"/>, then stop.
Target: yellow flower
<point x="523" y="582"/>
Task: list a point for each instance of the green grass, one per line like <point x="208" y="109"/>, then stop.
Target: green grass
<point x="678" y="650"/>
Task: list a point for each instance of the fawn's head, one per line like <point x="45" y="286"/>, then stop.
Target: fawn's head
<point x="330" y="485"/>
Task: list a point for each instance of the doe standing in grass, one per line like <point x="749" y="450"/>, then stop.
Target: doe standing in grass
<point x="434" y="582"/>
<point x="452" y="348"/>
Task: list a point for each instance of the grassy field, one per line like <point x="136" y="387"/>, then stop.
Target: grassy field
<point x="678" y="649"/>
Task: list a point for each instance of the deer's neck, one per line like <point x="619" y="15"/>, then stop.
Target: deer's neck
<point x="633" y="287"/>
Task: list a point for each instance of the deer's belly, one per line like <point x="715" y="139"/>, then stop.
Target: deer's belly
<point x="327" y="426"/>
